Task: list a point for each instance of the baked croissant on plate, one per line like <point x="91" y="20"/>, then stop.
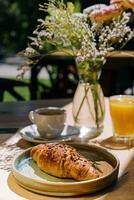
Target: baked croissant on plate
<point x="62" y="160"/>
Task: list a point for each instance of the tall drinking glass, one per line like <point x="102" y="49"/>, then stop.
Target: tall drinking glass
<point x="122" y="116"/>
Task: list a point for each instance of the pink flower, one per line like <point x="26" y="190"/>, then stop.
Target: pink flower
<point x="127" y="4"/>
<point x="105" y="14"/>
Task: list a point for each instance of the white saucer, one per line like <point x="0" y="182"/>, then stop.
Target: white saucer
<point x="31" y="134"/>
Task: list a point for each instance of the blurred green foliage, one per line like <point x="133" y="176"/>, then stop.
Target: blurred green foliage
<point x="18" y="19"/>
<point x="24" y="91"/>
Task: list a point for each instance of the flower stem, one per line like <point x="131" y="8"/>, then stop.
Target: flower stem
<point x="95" y="96"/>
<point x="76" y="116"/>
<point x="100" y="105"/>
<point x="89" y="107"/>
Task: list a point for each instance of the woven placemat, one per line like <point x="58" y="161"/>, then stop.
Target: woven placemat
<point x="10" y="148"/>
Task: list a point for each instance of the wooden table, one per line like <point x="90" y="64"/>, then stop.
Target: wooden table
<point x="11" y="144"/>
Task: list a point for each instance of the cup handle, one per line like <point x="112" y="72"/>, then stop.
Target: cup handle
<point x="31" y="116"/>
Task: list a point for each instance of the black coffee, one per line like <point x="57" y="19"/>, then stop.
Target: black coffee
<point x="50" y="112"/>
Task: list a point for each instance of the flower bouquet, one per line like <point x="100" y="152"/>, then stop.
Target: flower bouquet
<point x="89" y="36"/>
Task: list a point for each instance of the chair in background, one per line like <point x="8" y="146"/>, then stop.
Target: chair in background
<point x="64" y="78"/>
<point x="9" y="85"/>
<point x="62" y="73"/>
<point x="118" y="74"/>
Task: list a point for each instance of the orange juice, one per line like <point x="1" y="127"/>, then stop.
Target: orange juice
<point x="122" y="115"/>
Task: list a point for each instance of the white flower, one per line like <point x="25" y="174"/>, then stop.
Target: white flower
<point x="88" y="41"/>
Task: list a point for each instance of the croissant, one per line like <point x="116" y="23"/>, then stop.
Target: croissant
<point x="62" y="160"/>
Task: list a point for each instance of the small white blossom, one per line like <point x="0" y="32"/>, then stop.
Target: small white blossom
<point x="88" y="42"/>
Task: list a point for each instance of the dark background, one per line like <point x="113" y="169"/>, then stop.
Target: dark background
<point x="18" y="19"/>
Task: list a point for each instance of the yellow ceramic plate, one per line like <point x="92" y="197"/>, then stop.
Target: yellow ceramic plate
<point x="28" y="175"/>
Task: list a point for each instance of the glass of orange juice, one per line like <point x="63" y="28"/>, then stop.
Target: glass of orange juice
<point x="122" y="116"/>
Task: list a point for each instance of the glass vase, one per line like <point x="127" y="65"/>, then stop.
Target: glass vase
<point x="88" y="109"/>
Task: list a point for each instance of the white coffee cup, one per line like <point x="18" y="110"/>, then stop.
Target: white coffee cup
<point x="50" y="121"/>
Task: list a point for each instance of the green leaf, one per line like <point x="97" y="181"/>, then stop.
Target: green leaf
<point x="70" y="7"/>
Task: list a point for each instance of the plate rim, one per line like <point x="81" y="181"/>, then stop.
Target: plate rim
<point x="51" y="183"/>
